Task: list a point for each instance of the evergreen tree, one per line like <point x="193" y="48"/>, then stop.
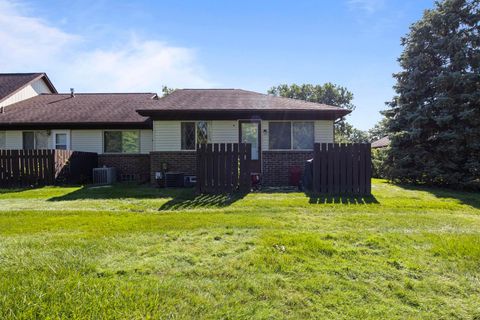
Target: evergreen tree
<point x="434" y="121"/>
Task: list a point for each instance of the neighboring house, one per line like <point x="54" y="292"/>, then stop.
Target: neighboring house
<point x="139" y="133"/>
<point x="15" y="87"/>
<point x="381" y="143"/>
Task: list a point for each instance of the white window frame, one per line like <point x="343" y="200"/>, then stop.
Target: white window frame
<point x="209" y="133"/>
<point x="291" y="134"/>
<point x="122" y="130"/>
<point x="54" y="138"/>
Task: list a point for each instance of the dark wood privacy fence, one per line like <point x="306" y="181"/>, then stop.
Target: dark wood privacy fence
<point x="20" y="168"/>
<point x="223" y="168"/>
<point x="342" y="169"/>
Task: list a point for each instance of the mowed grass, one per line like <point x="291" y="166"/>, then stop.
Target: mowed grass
<point x="136" y="252"/>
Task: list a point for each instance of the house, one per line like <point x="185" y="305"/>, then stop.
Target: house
<point x="381" y="143"/>
<point x="15" y="87"/>
<point x="140" y="133"/>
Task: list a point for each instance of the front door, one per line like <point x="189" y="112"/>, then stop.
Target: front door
<point x="250" y="133"/>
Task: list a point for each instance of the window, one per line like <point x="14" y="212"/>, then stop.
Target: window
<point x="280" y="135"/>
<point x="61" y="141"/>
<point x="188" y="135"/>
<point x="297" y="135"/>
<point x="3" y="140"/>
<point x="303" y="135"/>
<point x="121" y="142"/>
<point x="35" y="140"/>
<point x="194" y="133"/>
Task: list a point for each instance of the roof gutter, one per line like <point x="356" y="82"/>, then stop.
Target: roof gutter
<point x="281" y="114"/>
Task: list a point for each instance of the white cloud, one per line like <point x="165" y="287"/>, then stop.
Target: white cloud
<point x="368" y="6"/>
<point x="31" y="44"/>
<point x="137" y="66"/>
<point x="26" y="39"/>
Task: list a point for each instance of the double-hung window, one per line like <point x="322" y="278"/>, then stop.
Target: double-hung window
<point x="193" y="133"/>
<point x="291" y="135"/>
<point x="126" y="141"/>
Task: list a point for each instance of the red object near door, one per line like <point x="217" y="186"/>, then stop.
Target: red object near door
<point x="295" y="175"/>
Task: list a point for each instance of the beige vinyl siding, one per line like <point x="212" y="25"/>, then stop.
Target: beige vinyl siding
<point x="324" y="131"/>
<point x="87" y="140"/>
<point x="264" y="135"/>
<point x="13" y="140"/>
<point x="32" y="90"/>
<point x="166" y="136"/>
<point x="146" y="141"/>
<point x="224" y="131"/>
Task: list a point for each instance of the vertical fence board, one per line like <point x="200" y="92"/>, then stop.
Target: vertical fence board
<point x="369" y="170"/>
<point x="225" y="168"/>
<point x="20" y="168"/>
<point x="336" y="168"/>
<point x="362" y="172"/>
<point x="228" y="168"/>
<point x="324" y="169"/>
<point x="342" y="169"/>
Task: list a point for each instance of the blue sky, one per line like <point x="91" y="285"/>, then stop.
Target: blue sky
<point x="142" y="45"/>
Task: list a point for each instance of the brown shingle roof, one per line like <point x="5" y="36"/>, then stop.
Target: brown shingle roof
<point x="12" y="82"/>
<point x="380" y="143"/>
<point x="232" y="99"/>
<point x="83" y="110"/>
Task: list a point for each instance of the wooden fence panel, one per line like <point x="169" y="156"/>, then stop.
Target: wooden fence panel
<point x="21" y="168"/>
<point x="342" y="169"/>
<point x="223" y="168"/>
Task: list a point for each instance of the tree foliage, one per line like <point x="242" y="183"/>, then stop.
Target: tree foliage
<point x="379" y="131"/>
<point x="434" y="121"/>
<point x="330" y="94"/>
<point x="166" y="90"/>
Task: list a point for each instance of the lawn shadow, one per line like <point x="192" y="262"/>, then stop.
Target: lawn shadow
<point x="15" y="190"/>
<point x="117" y="191"/>
<point x="193" y="200"/>
<point x="469" y="198"/>
<point x="178" y="198"/>
<point x="341" y="199"/>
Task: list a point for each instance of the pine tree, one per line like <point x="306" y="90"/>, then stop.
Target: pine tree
<point x="434" y="121"/>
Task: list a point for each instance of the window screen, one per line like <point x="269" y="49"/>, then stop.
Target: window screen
<point x="303" y="135"/>
<point x="202" y="132"/>
<point x="279" y="135"/>
<point x="41" y="140"/>
<point x="28" y="140"/>
<point x="188" y="135"/>
<point x="121" y="142"/>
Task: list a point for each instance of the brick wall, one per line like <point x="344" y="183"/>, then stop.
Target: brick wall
<point x="134" y="167"/>
<point x="276" y="165"/>
<point x="184" y="161"/>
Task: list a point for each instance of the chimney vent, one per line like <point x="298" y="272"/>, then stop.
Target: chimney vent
<point x="72" y="92"/>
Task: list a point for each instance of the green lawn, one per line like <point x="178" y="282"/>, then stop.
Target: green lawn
<point x="138" y="252"/>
